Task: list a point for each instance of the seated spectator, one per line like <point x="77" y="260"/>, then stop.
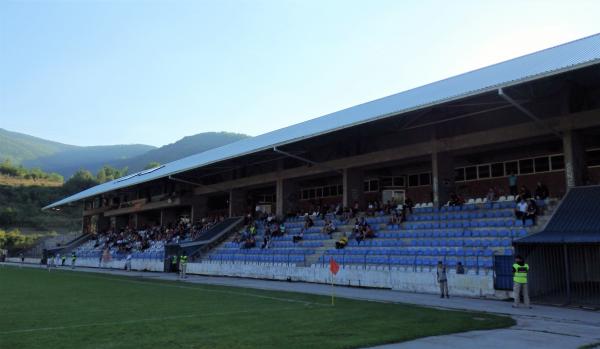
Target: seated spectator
<point x="250" y="242"/>
<point x="541" y="191"/>
<point x="299" y="236"/>
<point x="531" y="212"/>
<point x="460" y="269"/>
<point x="328" y="228"/>
<point x="266" y="241"/>
<point x="282" y="228"/>
<point x="308" y="222"/>
<point x="524" y="194"/>
<point x="455" y="200"/>
<point x="237" y="237"/>
<point x="521" y="209"/>
<point x="342" y="242"/>
<point x="368" y="232"/>
<point x="491" y="195"/>
<point x="370" y="209"/>
<point x="359" y="235"/>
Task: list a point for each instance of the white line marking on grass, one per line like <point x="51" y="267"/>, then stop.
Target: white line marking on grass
<point x="125" y="322"/>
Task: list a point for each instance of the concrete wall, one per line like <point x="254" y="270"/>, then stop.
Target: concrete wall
<point x="472" y="285"/>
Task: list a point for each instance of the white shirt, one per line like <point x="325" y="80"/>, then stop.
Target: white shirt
<point x="522" y="206"/>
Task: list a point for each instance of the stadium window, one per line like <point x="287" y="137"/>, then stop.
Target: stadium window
<point x="333" y="190"/>
<point x="387" y="182"/>
<point x="424" y="179"/>
<point x="399" y="181"/>
<point x="541" y="164"/>
<point x="305" y="194"/>
<point x="459" y="174"/>
<point x="340" y="189"/>
<point x="511" y="167"/>
<point x="498" y="169"/>
<point x="557" y="162"/>
<point x="413" y="180"/>
<point x="319" y="193"/>
<point x="470" y="173"/>
<point x="592" y="157"/>
<point x="311" y="193"/>
<point x="483" y="171"/>
<point x="374" y="185"/>
<point x="366" y="186"/>
<point x="326" y="191"/>
<point x="526" y="166"/>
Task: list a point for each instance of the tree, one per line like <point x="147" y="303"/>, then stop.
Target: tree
<point x="81" y="180"/>
<point x="152" y="164"/>
<point x="108" y="173"/>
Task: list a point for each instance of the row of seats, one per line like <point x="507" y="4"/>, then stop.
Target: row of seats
<point x="456" y="233"/>
<point x="263" y="251"/>
<point x="469" y="252"/>
<point x="461" y="215"/>
<point x="258" y="258"/>
<point x="484" y="262"/>
<point x="470" y="224"/>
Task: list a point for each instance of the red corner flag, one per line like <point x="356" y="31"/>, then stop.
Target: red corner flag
<point x="333" y="266"/>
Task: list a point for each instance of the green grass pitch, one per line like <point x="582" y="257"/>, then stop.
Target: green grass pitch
<point x="63" y="309"/>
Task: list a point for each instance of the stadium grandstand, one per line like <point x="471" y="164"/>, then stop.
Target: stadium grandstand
<point x="458" y="171"/>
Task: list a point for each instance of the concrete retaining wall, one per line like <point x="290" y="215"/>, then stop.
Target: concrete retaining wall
<point x="470" y="284"/>
<point x="422" y="281"/>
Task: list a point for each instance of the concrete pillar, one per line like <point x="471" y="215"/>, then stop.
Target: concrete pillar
<point x="199" y="208"/>
<point x="442" y="177"/>
<point x="353" y="182"/>
<point x="574" y="153"/>
<point x="237" y="202"/>
<point x="286" y="197"/>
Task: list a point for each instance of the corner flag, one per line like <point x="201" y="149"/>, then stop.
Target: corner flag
<point x="333" y="266"/>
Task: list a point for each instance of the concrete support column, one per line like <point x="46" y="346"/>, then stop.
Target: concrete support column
<point x="286" y="197"/>
<point x="199" y="208"/>
<point x="574" y="153"/>
<point x="354" y="186"/>
<point x="442" y="177"/>
<point x="237" y="202"/>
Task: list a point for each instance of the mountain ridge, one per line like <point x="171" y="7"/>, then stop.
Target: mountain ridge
<point x="66" y="159"/>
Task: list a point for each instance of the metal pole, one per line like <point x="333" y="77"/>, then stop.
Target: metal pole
<point x="567" y="273"/>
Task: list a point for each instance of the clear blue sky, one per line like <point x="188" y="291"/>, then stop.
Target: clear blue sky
<point x="119" y="72"/>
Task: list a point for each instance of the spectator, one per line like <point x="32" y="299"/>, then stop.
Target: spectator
<point x="442" y="279"/>
<point x="512" y="183"/>
<point x="299" y="236"/>
<point x="531" y="212"/>
<point x="460" y="269"/>
<point x="521" y="209"/>
<point x="541" y="191"/>
<point x="342" y="242"/>
<point x="266" y="241"/>
<point x="524" y="193"/>
<point x="491" y="195"/>
<point x="250" y="242"/>
<point x="328" y="228"/>
<point x="408" y="204"/>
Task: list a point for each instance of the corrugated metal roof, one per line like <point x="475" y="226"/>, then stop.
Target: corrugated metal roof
<point x="565" y="57"/>
<point x="575" y="221"/>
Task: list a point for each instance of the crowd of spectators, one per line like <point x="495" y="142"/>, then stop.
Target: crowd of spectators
<point x="129" y="239"/>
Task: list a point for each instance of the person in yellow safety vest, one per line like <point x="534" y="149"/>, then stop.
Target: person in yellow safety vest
<point x="183" y="266"/>
<point x="520" y="270"/>
<point x="174" y="263"/>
